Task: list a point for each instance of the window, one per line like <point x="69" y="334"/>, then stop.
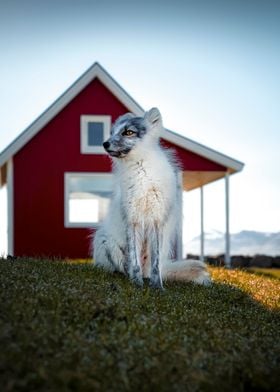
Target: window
<point x="94" y="131"/>
<point x="87" y="198"/>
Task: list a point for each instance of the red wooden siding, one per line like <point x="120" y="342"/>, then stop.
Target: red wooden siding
<point x="191" y="161"/>
<point x="39" y="178"/>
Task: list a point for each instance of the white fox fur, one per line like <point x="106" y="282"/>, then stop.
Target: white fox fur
<point x="137" y="236"/>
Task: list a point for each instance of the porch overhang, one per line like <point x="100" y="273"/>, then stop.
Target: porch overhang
<point x="196" y="179"/>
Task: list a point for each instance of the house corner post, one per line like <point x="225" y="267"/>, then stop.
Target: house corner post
<point x="227" y="232"/>
<point x="201" y="223"/>
<point x="10" y="198"/>
<point x="179" y="241"/>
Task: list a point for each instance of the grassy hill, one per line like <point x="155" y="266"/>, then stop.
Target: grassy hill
<point x="70" y="327"/>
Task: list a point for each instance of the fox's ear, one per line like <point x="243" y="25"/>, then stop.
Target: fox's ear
<point x="153" y="116"/>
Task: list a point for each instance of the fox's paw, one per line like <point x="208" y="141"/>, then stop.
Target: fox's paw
<point x="138" y="282"/>
<point x="136" y="276"/>
<point x="156" y="284"/>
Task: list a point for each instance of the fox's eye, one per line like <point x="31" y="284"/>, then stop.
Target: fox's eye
<point x="128" y="132"/>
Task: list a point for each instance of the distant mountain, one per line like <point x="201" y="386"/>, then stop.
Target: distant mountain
<point x="243" y="243"/>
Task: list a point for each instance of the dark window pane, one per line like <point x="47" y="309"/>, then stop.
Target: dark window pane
<point x="95" y="134"/>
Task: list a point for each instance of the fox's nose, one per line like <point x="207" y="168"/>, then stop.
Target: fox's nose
<point x="106" y="145"/>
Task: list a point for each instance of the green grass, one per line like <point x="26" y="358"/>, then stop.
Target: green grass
<point x="70" y="327"/>
<point x="274" y="272"/>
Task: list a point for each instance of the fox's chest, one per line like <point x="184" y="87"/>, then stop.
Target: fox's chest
<point x="146" y="198"/>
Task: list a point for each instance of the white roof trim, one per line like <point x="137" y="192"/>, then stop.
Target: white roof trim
<point x="202" y="150"/>
<point x="96" y="71"/>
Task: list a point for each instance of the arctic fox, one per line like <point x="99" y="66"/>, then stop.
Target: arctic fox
<point x="138" y="235"/>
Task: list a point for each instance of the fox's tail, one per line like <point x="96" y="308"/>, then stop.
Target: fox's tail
<point x="186" y="271"/>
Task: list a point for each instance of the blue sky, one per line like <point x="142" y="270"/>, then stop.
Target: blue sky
<point x="212" y="67"/>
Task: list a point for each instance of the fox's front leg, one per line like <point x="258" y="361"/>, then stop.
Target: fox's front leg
<point x="156" y="252"/>
<point x="134" y="255"/>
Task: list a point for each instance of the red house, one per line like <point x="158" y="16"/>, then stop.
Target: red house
<point x="58" y="176"/>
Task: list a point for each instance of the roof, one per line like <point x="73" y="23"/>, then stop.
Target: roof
<point x="97" y="71"/>
<point x="196" y="179"/>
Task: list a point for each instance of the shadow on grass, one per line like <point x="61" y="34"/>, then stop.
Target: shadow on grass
<point x="73" y="327"/>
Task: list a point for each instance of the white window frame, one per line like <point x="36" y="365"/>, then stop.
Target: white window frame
<point x="85" y="119"/>
<point x="69" y="175"/>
